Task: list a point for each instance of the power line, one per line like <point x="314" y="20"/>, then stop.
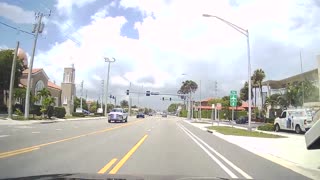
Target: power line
<point x="12" y="27"/>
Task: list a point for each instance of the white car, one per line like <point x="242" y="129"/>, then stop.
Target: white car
<point x="118" y="115"/>
<point x="298" y="120"/>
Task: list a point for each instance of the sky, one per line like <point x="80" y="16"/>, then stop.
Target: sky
<point x="160" y="43"/>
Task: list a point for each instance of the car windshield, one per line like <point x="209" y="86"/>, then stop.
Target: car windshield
<point x="159" y="87"/>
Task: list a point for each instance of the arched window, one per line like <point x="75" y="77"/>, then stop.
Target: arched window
<point x="39" y="86"/>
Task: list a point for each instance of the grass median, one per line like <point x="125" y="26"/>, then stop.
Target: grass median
<point x="242" y="132"/>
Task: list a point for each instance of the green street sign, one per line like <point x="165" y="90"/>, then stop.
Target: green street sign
<point x="233" y="98"/>
<point x="233" y="104"/>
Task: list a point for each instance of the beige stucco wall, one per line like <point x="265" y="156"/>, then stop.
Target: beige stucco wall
<point x="56" y="93"/>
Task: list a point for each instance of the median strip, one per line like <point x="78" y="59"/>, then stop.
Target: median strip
<point x="128" y="155"/>
<point x="107" y="166"/>
<point x="31" y="148"/>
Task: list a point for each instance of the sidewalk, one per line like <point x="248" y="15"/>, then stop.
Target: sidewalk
<point x="28" y="122"/>
<point x="290" y="152"/>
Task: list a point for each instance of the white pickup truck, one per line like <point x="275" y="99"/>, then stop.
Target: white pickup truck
<point x="298" y="120"/>
<point x="118" y="115"/>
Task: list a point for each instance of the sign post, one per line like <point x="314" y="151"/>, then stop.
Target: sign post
<point x="213" y="107"/>
<point x="233" y="101"/>
<point x="218" y="107"/>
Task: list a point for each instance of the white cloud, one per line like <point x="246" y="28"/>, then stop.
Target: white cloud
<point x="16" y="13"/>
<point x="179" y="40"/>
<point x="65" y="6"/>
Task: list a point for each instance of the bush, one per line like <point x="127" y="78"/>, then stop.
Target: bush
<point x="270" y="120"/>
<point x="18" y="106"/>
<point x="50" y="112"/>
<point x="3" y="109"/>
<point x="59" y="112"/>
<point x="76" y="114"/>
<point x="266" y="127"/>
<point x="98" y="114"/>
<point x="36" y="110"/>
<point x="18" y="112"/>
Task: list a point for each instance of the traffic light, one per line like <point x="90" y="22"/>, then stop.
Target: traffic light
<point x="170" y="99"/>
<point x="128" y="92"/>
<point x="162" y="98"/>
<point x="148" y="93"/>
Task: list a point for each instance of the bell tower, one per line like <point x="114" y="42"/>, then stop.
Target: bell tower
<point x="68" y="89"/>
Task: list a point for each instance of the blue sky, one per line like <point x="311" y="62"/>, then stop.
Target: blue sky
<point x="155" y="42"/>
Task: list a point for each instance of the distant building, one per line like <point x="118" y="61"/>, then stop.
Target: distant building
<point x="68" y="89"/>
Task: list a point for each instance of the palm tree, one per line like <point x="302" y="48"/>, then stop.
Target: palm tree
<point x="255" y="84"/>
<point x="259" y="76"/>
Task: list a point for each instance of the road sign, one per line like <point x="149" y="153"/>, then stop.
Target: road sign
<point x="219" y="106"/>
<point x="155" y="93"/>
<point x="147" y="93"/>
<point x="212" y="105"/>
<point x="233" y="98"/>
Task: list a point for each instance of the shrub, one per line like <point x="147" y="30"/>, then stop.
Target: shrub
<point x="3" y="109"/>
<point x="98" y="114"/>
<point x="36" y="110"/>
<point x="266" y="127"/>
<point x="59" y="112"/>
<point x="18" y="112"/>
<point x="270" y="120"/>
<point x="18" y="106"/>
<point x="76" y="114"/>
<point x="50" y="111"/>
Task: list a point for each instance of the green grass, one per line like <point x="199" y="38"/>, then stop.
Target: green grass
<point x="202" y="122"/>
<point x="21" y="118"/>
<point x="241" y="132"/>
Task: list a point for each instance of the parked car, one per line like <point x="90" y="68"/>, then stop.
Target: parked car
<point x="118" y="115"/>
<point x="85" y="112"/>
<point x="140" y="115"/>
<point x="164" y="114"/>
<point x="242" y="120"/>
<point x="298" y="120"/>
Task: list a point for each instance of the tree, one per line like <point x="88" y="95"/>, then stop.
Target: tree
<point x="244" y="92"/>
<point x="134" y="106"/>
<point x="76" y="103"/>
<point x="173" y="107"/>
<point x="44" y="96"/>
<point x="259" y="76"/>
<point x="6" y="58"/>
<point x="188" y="87"/>
<point x="94" y="107"/>
<point x="124" y="103"/>
<point x="273" y="100"/>
<point x="255" y="85"/>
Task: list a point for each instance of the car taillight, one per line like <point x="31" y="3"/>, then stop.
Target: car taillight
<point x="305" y="122"/>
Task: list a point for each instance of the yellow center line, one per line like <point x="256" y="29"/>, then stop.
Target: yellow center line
<point x="17" y="152"/>
<point x="31" y="148"/>
<point x="127" y="156"/>
<point x="107" y="166"/>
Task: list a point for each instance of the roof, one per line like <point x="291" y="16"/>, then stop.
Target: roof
<point x="207" y="99"/>
<point x="53" y="85"/>
<point x="278" y="84"/>
<point x="34" y="70"/>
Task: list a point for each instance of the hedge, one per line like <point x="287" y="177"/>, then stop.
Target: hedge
<point x="35" y="109"/>
<point x="59" y="112"/>
<point x="76" y="114"/>
<point x="98" y="114"/>
<point x="50" y="112"/>
<point x="266" y="127"/>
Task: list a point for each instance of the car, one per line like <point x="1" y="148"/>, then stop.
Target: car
<point x="118" y="115"/>
<point x="164" y="115"/>
<point x="298" y="120"/>
<point x="140" y="115"/>
<point x="242" y="120"/>
<point x="85" y="112"/>
<point x="150" y="114"/>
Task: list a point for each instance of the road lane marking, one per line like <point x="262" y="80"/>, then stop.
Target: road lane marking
<point x="8" y="154"/>
<point x="244" y="174"/>
<point x="227" y="170"/>
<point x="35" y="132"/>
<point x="68" y="139"/>
<point x="5" y="135"/>
<point x="58" y="129"/>
<point x="107" y="166"/>
<point x="128" y="155"/>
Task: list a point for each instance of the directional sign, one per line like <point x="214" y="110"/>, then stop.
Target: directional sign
<point x="233" y="98"/>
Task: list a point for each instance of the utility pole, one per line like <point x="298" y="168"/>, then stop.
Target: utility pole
<point x="38" y="28"/>
<point x="81" y="91"/>
<point x="215" y="89"/>
<point x="102" y="87"/>
<point x="129" y="100"/>
<point x="13" y="72"/>
<point x="303" y="79"/>
<point x="200" y="101"/>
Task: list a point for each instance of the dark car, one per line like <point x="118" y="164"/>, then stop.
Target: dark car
<point x="242" y="120"/>
<point x="85" y="112"/>
<point x="140" y="115"/>
<point x="164" y="115"/>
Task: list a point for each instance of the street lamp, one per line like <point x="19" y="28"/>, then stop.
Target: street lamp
<point x="246" y="33"/>
<point x="108" y="60"/>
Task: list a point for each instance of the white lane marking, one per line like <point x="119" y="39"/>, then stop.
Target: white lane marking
<point x="23" y="127"/>
<point x="58" y="129"/>
<point x="1" y="136"/>
<point x="244" y="174"/>
<point x="35" y="132"/>
<point x="149" y="130"/>
<point x="228" y="171"/>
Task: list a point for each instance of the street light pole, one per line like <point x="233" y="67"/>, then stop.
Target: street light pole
<point x="246" y="33"/>
<point x="107" y="85"/>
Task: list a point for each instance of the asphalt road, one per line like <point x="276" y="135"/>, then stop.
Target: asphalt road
<point x="150" y="146"/>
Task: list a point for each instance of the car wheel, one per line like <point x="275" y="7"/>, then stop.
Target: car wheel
<point x="298" y="129"/>
<point x="277" y="128"/>
<point x="109" y="121"/>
